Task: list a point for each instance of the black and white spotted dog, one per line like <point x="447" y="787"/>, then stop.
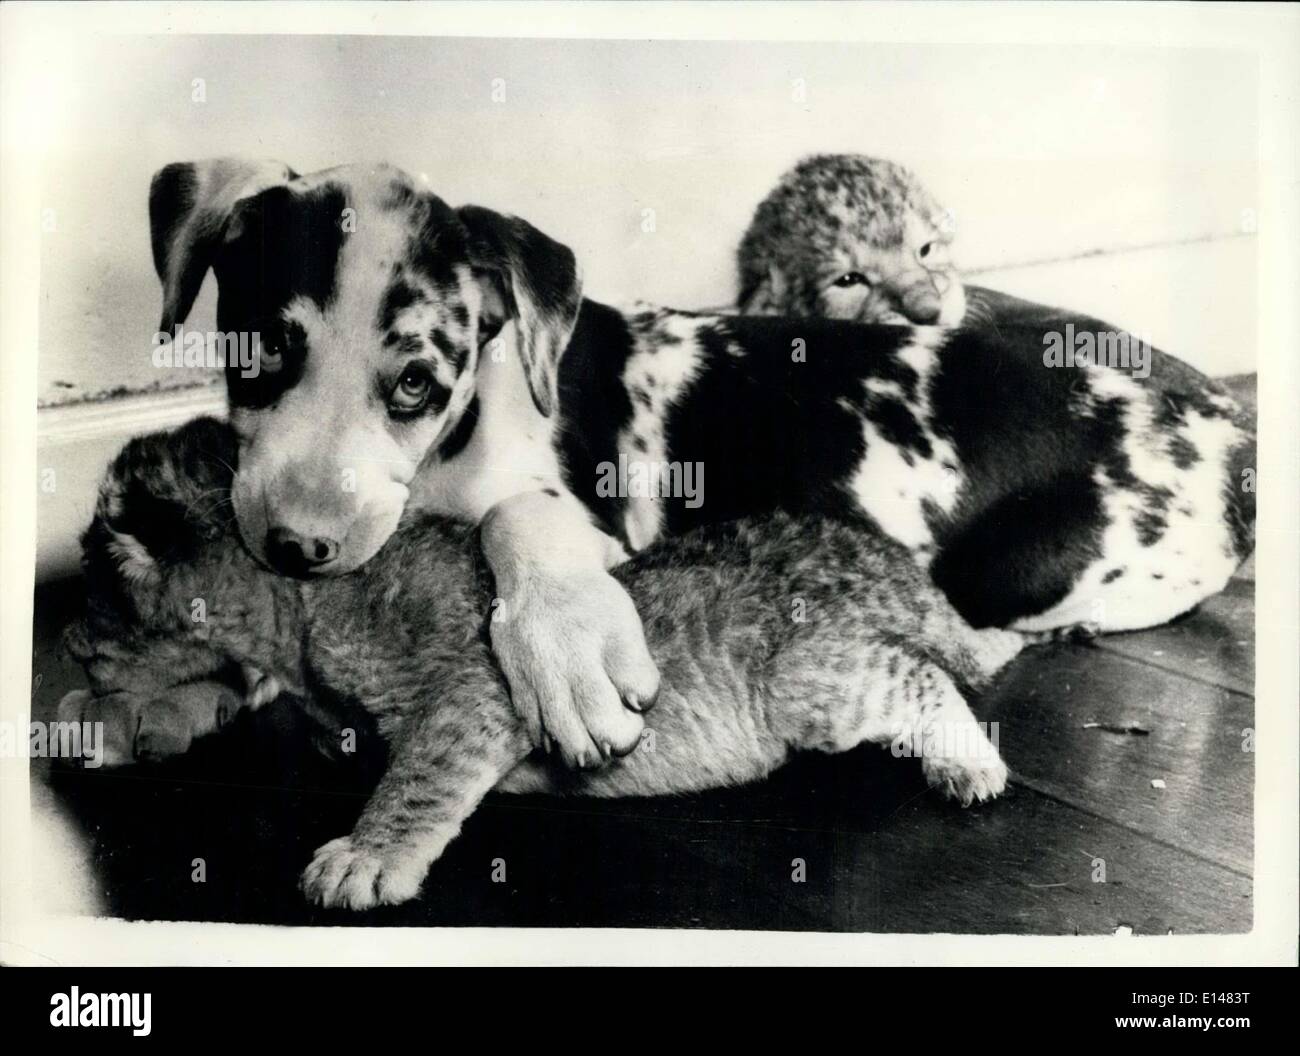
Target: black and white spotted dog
<point x="420" y="355"/>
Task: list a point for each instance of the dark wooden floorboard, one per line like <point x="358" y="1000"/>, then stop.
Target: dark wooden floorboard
<point x="1216" y="645"/>
<point x="1058" y="713"/>
<point x="1030" y="866"/>
<point x="1026" y="865"/>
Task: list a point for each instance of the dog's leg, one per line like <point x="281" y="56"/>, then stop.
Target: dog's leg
<point x="564" y="631"/>
<point x="449" y="755"/>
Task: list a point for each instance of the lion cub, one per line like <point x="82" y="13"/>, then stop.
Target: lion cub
<point x="771" y="636"/>
<point x="845" y="236"/>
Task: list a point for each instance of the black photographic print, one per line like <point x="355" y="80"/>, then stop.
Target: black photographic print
<point x="562" y="472"/>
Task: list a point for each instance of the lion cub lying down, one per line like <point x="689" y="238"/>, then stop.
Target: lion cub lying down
<point x="771" y="636"/>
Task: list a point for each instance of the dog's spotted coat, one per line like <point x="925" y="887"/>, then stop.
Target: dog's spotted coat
<point x="1041" y="498"/>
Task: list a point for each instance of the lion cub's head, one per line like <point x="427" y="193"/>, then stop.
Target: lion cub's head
<point x="162" y="533"/>
<point x="844" y="236"/>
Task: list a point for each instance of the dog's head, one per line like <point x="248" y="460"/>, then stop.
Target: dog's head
<point x="372" y="300"/>
<point x="844" y="236"/>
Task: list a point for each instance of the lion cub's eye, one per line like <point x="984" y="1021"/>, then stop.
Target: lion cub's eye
<point x="934" y="253"/>
<point x="412" y="390"/>
<point x="851" y="278"/>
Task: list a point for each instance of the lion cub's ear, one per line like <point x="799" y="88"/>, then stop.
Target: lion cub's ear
<point x="164" y="497"/>
<point x="768" y="293"/>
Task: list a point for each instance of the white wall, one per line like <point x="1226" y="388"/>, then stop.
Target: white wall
<point x="1044" y="154"/>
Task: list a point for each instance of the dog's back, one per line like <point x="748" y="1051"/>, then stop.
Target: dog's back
<point x="1030" y="488"/>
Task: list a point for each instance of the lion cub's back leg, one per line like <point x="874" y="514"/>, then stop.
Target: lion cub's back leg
<point x="890" y="695"/>
<point x="973" y="656"/>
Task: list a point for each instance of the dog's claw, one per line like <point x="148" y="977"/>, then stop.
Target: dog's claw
<point x="640" y="703"/>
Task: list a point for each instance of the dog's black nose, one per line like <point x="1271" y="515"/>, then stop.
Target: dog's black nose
<point x="297" y="555"/>
<point x="925" y="314"/>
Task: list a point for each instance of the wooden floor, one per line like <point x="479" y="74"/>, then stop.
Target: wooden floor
<point x="1130" y="806"/>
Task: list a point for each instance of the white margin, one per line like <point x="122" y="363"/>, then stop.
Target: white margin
<point x="30" y="33"/>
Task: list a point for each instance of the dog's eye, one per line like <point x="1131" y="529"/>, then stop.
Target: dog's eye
<point x="926" y="250"/>
<point x="271" y="355"/>
<point x="412" y="389"/>
<point x="851" y="278"/>
<point x="274" y="347"/>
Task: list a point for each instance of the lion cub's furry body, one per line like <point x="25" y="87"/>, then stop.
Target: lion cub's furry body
<point x="771" y="636"/>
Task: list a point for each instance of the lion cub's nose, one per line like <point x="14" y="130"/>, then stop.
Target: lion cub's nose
<point x="925" y="313"/>
<point x="297" y="555"/>
<point x="920" y="303"/>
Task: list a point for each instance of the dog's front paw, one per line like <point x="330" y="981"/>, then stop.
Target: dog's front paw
<point x="967" y="778"/>
<point x="579" y="670"/>
<point x="351" y="876"/>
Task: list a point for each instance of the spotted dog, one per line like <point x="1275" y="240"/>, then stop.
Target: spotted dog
<point x="423" y="357"/>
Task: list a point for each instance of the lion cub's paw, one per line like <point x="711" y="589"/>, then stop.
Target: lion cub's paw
<point x="967" y="778"/>
<point x="343" y="874"/>
<point x="117" y="717"/>
<point x="262" y="688"/>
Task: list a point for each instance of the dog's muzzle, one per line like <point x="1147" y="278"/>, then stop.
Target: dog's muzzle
<point x="292" y="554"/>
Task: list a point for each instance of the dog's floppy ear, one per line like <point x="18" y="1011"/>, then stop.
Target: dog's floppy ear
<point x="189" y="205"/>
<point x="531" y="279"/>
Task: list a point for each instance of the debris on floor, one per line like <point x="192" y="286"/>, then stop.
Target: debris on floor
<point x="1131" y="727"/>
